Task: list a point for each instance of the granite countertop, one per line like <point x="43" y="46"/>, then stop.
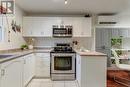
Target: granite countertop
<point x="89" y="53"/>
<point x="21" y="53"/>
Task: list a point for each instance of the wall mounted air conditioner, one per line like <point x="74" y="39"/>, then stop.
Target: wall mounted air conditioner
<point x="107" y="20"/>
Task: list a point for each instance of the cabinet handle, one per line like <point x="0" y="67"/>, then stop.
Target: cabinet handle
<point x="2" y="72"/>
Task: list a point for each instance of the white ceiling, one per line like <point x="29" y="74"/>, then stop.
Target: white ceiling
<point x="73" y="6"/>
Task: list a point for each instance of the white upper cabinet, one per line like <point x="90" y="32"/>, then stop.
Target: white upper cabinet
<point x="29" y="25"/>
<point x="37" y="26"/>
<point x="82" y="27"/>
<point x="77" y="27"/>
<point x="46" y="27"/>
<point x="86" y="27"/>
<point x="42" y="26"/>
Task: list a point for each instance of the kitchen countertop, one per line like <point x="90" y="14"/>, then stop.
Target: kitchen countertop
<point x="21" y="53"/>
<point x="89" y="53"/>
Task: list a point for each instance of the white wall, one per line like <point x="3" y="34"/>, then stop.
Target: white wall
<point x="16" y="39"/>
<point x="123" y="20"/>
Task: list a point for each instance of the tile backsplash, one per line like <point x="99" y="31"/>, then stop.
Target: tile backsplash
<point x="50" y="42"/>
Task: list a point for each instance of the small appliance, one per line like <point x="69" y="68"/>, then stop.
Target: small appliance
<point x="62" y="31"/>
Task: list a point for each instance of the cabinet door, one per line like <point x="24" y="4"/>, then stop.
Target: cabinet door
<point x="82" y="27"/>
<point x="42" y="65"/>
<point x="11" y="73"/>
<point x="86" y="27"/>
<point x="46" y="29"/>
<point x="31" y="63"/>
<point x="31" y="26"/>
<point x="29" y="67"/>
<point x="77" y="27"/>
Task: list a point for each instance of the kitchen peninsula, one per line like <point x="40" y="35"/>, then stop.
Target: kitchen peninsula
<point x="91" y="69"/>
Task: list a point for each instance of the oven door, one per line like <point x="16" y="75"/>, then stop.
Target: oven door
<point x="63" y="63"/>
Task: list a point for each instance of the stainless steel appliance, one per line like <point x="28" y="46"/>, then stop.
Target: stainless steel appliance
<point x="62" y="31"/>
<point x="63" y="63"/>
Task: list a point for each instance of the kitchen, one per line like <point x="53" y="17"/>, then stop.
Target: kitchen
<point x="52" y="47"/>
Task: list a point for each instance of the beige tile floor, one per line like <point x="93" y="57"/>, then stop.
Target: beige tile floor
<point x="49" y="83"/>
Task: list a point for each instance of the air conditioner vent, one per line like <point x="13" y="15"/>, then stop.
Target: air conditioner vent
<point x="107" y="22"/>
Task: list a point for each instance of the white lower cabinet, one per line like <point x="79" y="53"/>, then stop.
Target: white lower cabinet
<point x="91" y="71"/>
<point x="18" y="72"/>
<point x="11" y="73"/>
<point x="29" y="68"/>
<point x="42" y="68"/>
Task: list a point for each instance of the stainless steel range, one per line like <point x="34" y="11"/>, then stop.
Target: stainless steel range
<point x="63" y="62"/>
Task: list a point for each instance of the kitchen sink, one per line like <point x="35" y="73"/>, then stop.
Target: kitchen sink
<point x="5" y="56"/>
